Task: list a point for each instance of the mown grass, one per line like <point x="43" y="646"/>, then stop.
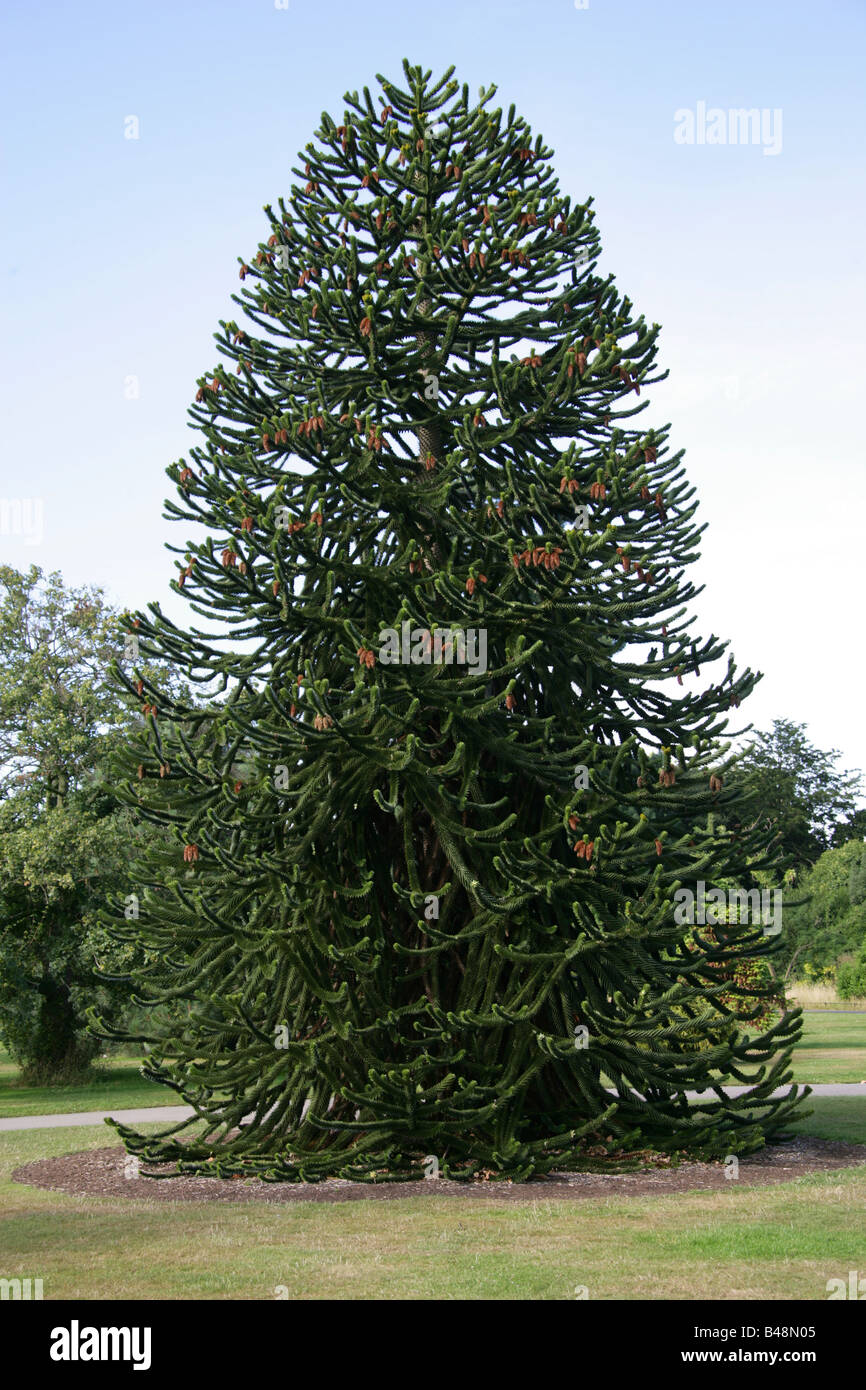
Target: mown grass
<point x="773" y="1242"/>
<point x="833" y="1048"/>
<point x="116" y="1084"/>
<point x="834" y="1117"/>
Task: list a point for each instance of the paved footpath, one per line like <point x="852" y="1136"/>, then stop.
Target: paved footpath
<point x="159" y="1113"/>
<point x="166" y="1113"/>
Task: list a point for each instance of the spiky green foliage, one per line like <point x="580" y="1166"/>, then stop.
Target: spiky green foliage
<point x="400" y="906"/>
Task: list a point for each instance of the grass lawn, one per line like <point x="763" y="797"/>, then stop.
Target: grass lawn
<point x="833" y="1048"/>
<point x="834" y="1117"/>
<point x="773" y="1242"/>
<point x="118" y="1087"/>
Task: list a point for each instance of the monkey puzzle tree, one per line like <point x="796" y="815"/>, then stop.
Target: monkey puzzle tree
<point x="422" y="905"/>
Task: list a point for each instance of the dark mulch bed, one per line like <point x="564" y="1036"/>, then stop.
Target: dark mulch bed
<point x="100" y="1173"/>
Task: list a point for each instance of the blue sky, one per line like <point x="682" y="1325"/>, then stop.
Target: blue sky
<point x="119" y="257"/>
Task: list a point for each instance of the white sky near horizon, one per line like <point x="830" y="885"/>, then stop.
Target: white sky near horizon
<point x="120" y="256"/>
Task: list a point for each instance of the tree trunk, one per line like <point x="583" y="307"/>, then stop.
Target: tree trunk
<point x="57" y="1051"/>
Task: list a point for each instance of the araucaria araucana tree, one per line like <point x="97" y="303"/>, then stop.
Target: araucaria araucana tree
<point x="421" y="901"/>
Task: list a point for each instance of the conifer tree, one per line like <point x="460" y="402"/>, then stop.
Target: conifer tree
<point x="420" y="906"/>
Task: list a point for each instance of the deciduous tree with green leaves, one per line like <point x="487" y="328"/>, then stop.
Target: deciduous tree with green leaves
<point x="828" y="920"/>
<point x="801" y="793"/>
<point x="422" y="908"/>
<point x="65" y="840"/>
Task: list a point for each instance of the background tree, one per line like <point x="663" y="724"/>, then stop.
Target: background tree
<point x="64" y="839"/>
<point x="799" y="790"/>
<point x="424" y="909"/>
<point x="829" y="920"/>
<point x="853" y="828"/>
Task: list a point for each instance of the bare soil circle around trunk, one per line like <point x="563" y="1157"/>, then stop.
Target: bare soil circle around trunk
<point x="102" y="1173"/>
